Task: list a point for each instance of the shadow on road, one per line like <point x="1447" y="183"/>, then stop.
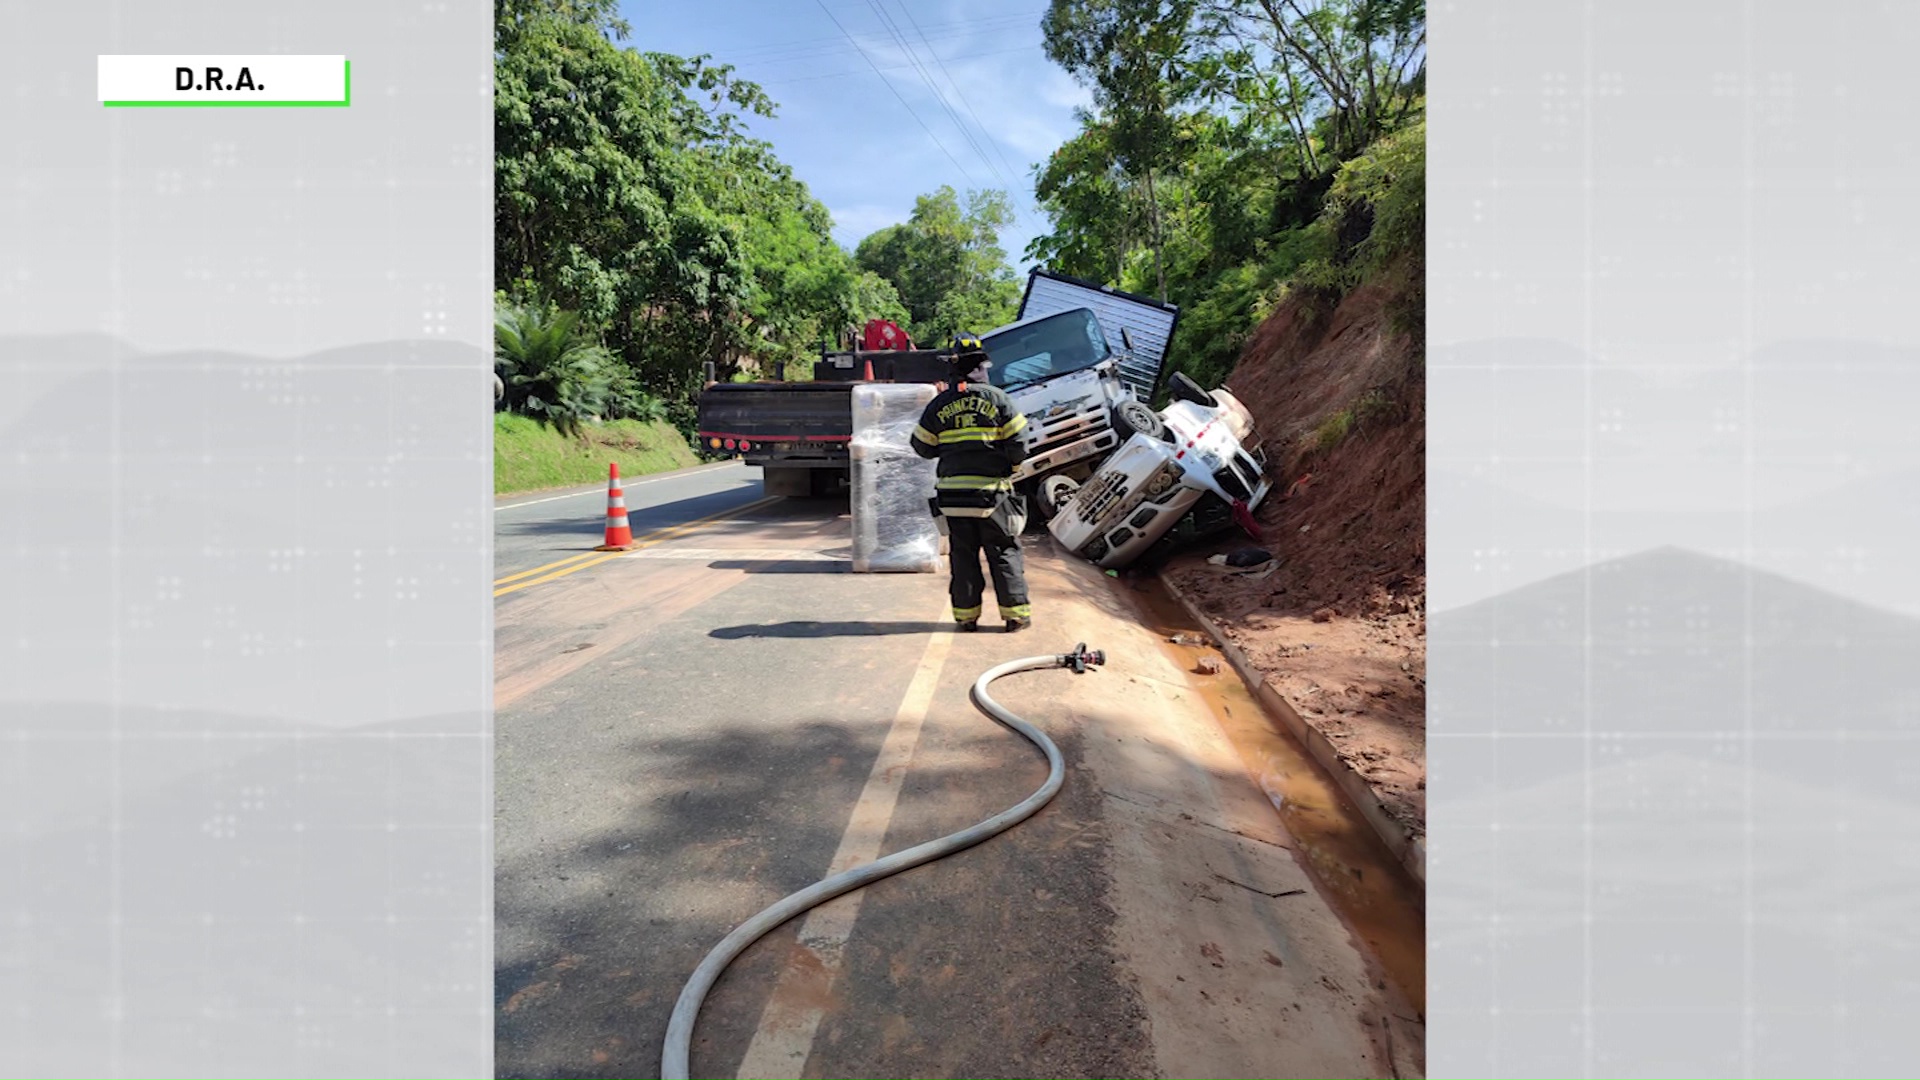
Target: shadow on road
<point x="595" y="936"/>
<point x="782" y="566"/>
<point x="827" y="629"/>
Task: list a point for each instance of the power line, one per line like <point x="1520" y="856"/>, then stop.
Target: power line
<point x="926" y="77"/>
<point x="783" y="52"/>
<point x="896" y="93"/>
<point x="959" y="93"/>
<point x="896" y="67"/>
<point x="1031" y="218"/>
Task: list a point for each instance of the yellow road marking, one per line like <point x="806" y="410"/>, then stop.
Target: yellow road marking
<point x="651" y="539"/>
<point x="549" y="566"/>
<point x="557" y="574"/>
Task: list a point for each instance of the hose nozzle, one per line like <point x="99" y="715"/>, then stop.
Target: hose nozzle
<point x="1080" y="657"/>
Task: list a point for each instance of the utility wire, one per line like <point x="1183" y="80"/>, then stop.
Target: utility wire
<point x="1030" y="210"/>
<point x="896" y="94"/>
<point x="959" y="93"/>
<point x="783" y="52"/>
<point x="892" y="67"/>
<point x="926" y="78"/>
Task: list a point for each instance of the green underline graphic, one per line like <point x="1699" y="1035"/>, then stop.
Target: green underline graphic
<point x="346" y="99"/>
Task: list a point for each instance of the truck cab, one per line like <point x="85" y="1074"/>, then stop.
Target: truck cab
<point x="1063" y="375"/>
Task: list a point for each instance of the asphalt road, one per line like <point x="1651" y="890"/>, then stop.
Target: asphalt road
<point x="535" y="529"/>
<point x="690" y="731"/>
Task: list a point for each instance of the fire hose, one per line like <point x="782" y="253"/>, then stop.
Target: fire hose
<point x="673" y="1058"/>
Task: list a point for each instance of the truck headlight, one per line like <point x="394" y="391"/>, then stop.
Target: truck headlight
<point x="1162" y="478"/>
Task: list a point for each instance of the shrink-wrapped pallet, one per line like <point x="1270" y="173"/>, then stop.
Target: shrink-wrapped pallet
<point x="893" y="528"/>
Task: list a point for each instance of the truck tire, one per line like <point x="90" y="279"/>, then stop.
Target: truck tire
<point x="1183" y="388"/>
<point x="1132" y="418"/>
<point x="1053" y="495"/>
<point x="824" y="483"/>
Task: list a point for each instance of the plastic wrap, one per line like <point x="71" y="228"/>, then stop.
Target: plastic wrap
<point x="893" y="529"/>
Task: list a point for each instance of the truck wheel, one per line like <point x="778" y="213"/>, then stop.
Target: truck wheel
<point x="1132" y="418"/>
<point x="1183" y="388"/>
<point x="1054" y="495"/>
<point x="824" y="483"/>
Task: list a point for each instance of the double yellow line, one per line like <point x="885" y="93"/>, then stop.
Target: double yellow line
<point x="539" y="574"/>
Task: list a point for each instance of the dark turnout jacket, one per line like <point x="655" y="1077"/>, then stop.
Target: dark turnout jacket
<point x="975" y="432"/>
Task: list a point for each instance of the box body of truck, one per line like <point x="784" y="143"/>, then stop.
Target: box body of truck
<point x="1148" y="323"/>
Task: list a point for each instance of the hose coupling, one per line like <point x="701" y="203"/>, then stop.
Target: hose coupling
<point x="1081" y="657"/>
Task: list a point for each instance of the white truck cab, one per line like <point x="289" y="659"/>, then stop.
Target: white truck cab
<point x="1064" y="378"/>
<point x="1079" y="364"/>
<point x="1140" y="493"/>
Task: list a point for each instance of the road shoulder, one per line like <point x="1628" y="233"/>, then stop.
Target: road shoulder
<point x="1244" y="968"/>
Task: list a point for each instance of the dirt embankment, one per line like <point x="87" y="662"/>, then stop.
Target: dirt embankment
<point x="1339" y="625"/>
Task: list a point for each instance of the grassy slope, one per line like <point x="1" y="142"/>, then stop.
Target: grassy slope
<point x="529" y="455"/>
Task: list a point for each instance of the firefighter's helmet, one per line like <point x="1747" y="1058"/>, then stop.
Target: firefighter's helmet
<point x="968" y="355"/>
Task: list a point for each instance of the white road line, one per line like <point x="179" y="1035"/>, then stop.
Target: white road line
<point x="624" y="485"/>
<point x="738" y="554"/>
<point x="784" y="1039"/>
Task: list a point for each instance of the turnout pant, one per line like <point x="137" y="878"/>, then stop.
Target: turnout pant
<point x="968" y="539"/>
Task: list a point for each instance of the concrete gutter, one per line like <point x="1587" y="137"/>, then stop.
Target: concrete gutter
<point x="1409" y="849"/>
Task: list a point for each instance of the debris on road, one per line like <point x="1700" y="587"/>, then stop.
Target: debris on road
<point x="1247" y="556"/>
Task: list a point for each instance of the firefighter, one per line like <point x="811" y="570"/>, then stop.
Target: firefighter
<point x="978" y="436"/>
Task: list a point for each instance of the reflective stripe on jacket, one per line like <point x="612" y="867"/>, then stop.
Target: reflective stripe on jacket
<point x="975" y="432"/>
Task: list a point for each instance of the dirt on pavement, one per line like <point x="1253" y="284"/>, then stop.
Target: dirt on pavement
<point x="1338" y="623"/>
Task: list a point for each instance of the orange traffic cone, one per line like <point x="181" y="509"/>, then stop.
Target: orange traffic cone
<point x="619" y="533"/>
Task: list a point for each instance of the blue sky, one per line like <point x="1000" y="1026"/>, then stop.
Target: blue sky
<point x="856" y="136"/>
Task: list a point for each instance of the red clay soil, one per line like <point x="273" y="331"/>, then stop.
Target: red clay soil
<point x="1339" y="627"/>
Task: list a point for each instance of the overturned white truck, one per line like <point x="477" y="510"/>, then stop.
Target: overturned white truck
<point x="1195" y="476"/>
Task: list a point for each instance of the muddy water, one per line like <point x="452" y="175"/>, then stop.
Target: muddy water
<point x="1380" y="902"/>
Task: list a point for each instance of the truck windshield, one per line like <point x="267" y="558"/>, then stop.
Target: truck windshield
<point x="1056" y="345"/>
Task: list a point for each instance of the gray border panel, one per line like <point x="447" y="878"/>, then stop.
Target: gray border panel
<point x="245" y="655"/>
<point x="1674" y="498"/>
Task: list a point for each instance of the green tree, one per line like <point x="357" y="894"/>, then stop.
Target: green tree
<point x="1238" y="150"/>
<point x="946" y="264"/>
<point x="1131" y="52"/>
<point x="629" y="190"/>
<point x="1097" y="211"/>
<point x="598" y="197"/>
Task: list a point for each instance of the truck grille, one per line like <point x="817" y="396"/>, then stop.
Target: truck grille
<point x="1240" y="477"/>
<point x="1099" y="493"/>
<point x="1063" y="430"/>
